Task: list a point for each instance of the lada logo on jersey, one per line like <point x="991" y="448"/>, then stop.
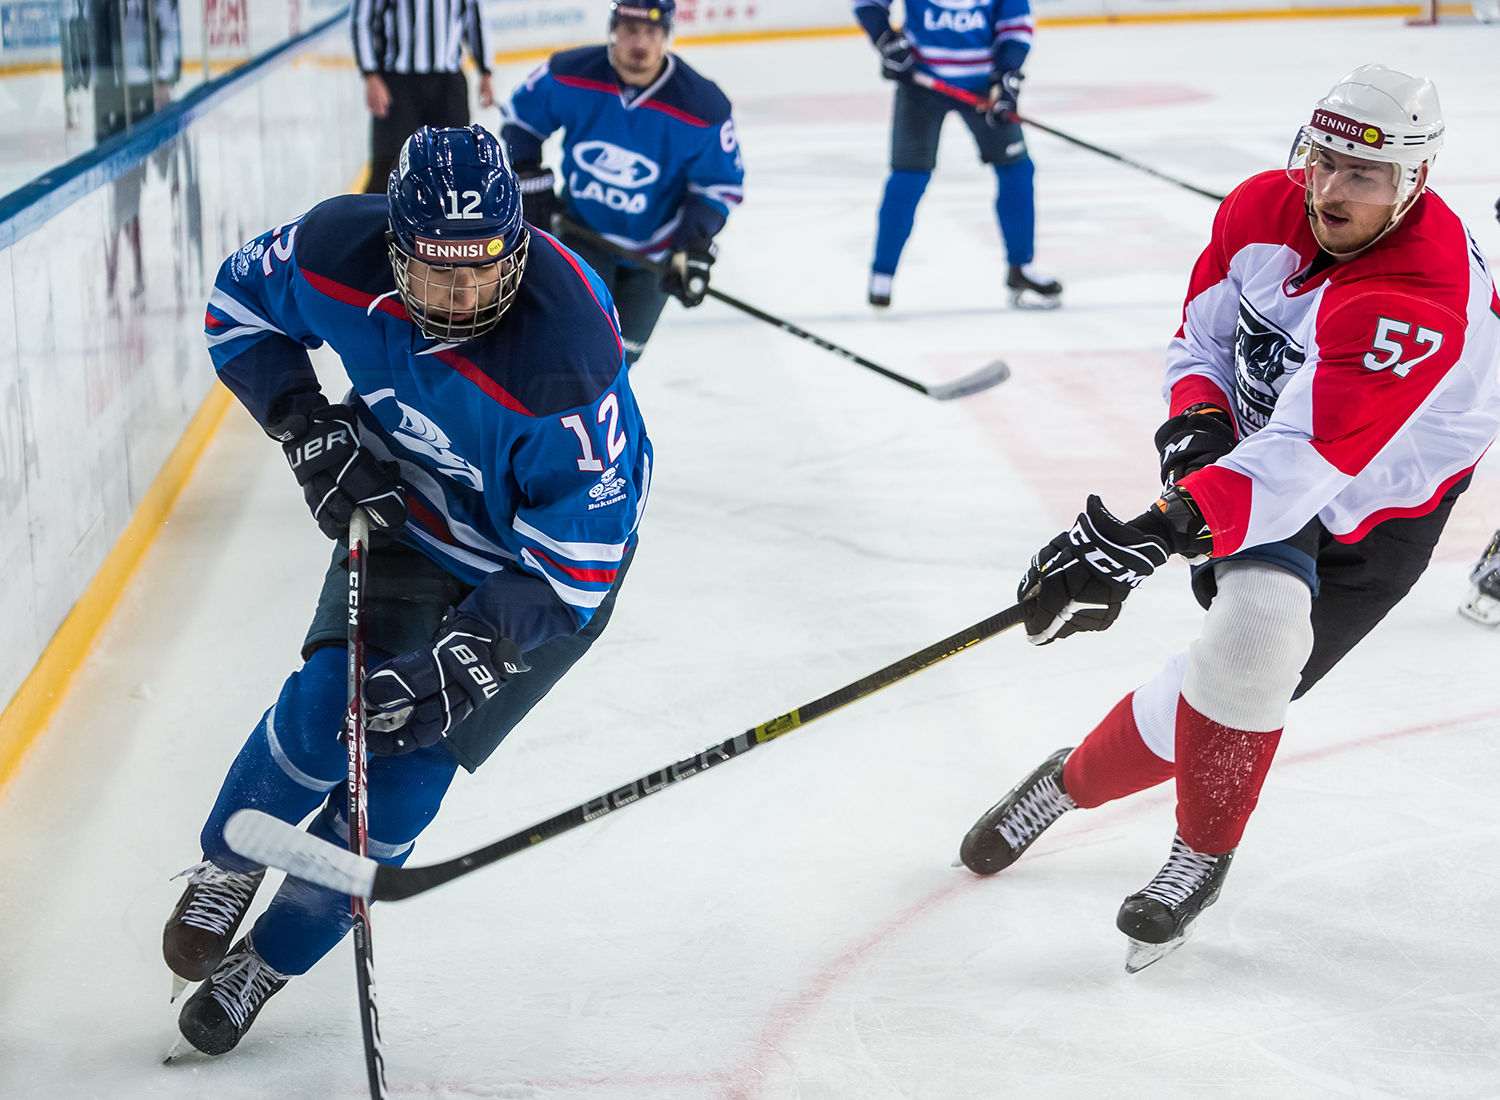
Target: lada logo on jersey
<point x="614" y="166"/>
<point x="1264" y="356"/>
<point x="955" y="15"/>
<point x="420" y="435"/>
<point x="609" y="489"/>
<point x="1343" y="127"/>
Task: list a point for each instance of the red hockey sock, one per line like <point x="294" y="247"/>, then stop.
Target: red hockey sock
<point x="1220" y="771"/>
<point x="1113" y="761"/>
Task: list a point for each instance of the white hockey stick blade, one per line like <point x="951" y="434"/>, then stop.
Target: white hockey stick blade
<point x="269" y="840"/>
<point x="991" y="374"/>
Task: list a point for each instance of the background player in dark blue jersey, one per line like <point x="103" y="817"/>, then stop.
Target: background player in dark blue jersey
<point x="492" y="437"/>
<point x="649" y="160"/>
<point x="977" y="45"/>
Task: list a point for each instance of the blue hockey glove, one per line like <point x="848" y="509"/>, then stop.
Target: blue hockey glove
<point x="414" y="700"/>
<point x="686" y="275"/>
<point x="1197" y="437"/>
<point x="1005" y="89"/>
<point x="1080" y="579"/>
<point x="338" y="475"/>
<point x="896" y="56"/>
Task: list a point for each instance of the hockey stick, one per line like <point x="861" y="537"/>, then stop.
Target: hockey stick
<point x="991" y="374"/>
<point x="973" y="99"/>
<point x="354" y="740"/>
<point x="265" y="839"/>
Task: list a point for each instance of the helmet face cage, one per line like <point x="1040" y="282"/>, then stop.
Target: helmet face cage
<point x="458" y="240"/>
<point x="457" y="302"/>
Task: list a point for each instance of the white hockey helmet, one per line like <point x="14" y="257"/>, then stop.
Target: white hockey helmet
<point x="1377" y="114"/>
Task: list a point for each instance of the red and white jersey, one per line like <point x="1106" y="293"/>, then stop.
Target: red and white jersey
<point x="1360" y="393"/>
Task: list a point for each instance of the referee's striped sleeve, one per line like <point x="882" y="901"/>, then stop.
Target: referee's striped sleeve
<point x="474" y="34"/>
<point x="367" y="23"/>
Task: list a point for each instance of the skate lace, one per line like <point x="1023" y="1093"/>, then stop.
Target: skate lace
<point x="1185" y="871"/>
<point x="242" y="982"/>
<point x="220" y="898"/>
<point x="1034" y="811"/>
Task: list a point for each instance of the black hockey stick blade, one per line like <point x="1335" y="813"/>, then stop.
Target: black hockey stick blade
<point x="264" y="839"/>
<point x="991" y="374"/>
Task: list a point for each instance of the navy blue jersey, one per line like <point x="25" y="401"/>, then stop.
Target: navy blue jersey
<point x="960" y="41"/>
<point x="524" y="457"/>
<point x="653" y="169"/>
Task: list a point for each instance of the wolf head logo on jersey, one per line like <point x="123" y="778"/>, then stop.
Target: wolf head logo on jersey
<point x="1264" y="356"/>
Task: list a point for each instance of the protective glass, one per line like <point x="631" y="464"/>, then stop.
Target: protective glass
<point x="457" y="302"/>
<point x="1339" y="177"/>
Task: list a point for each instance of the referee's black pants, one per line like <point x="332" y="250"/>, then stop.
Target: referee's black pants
<point x="417" y="100"/>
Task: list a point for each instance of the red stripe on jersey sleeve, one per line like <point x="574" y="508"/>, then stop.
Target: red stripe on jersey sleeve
<point x="1196" y="389"/>
<point x="1223" y="499"/>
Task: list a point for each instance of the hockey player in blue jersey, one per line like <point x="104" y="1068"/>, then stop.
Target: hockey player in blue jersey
<point x="650" y="160"/>
<point x="977" y="45"/>
<point x="492" y="437"/>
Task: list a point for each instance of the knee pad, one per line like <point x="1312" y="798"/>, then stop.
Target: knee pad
<point x="1256" y="638"/>
<point x="302" y="729"/>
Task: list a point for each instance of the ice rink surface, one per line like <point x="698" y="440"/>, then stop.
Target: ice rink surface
<point x="790" y="925"/>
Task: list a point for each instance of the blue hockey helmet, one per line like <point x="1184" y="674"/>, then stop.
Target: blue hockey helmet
<point x="657" y="12"/>
<point x="458" y="240"/>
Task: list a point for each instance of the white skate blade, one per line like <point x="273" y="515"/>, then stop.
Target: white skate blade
<point x="179" y="983"/>
<point x="179" y="1048"/>
<point x="271" y="841"/>
<point x="1028" y="299"/>
<point x="1140" y="954"/>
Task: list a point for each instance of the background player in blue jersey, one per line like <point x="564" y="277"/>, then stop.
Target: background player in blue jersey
<point x="977" y="45"/>
<point x="491" y="435"/>
<point x="649" y="160"/>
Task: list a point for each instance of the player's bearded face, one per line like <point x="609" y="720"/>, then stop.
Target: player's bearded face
<point x="1351" y="200"/>
<point x="637" y="49"/>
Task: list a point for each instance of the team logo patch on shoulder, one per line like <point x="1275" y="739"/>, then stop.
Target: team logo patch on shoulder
<point x="609" y="489"/>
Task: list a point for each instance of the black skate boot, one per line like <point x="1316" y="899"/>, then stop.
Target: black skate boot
<point x="1482" y="603"/>
<point x="203" y="925"/>
<point x="1157" y="918"/>
<point x="1008" y="828"/>
<point x="880" y="289"/>
<point x="1031" y="289"/>
<point x="215" y="1018"/>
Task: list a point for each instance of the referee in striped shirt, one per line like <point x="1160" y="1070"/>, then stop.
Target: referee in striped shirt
<point x="409" y="53"/>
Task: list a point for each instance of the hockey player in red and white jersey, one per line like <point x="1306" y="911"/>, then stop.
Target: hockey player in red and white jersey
<point x="1331" y="388"/>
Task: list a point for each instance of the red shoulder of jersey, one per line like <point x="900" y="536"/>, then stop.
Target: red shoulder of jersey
<point x="1391" y="324"/>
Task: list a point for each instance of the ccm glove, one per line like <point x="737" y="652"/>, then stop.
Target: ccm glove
<point x="1196" y="437"/>
<point x="686" y="275"/>
<point x="539" y="201"/>
<point x="337" y="475"/>
<point x="413" y="700"/>
<point x="1005" y="87"/>
<point x="1080" y="579"/>
<point x="896" y="56"/>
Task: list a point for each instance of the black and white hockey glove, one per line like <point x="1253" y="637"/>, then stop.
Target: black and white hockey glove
<point x="413" y="700"/>
<point x="896" y="55"/>
<point x="539" y="201"/>
<point x="1080" y="579"/>
<point x="338" y="475"/>
<point x="1196" y="437"/>
<point x="1005" y="91"/>
<point x="686" y="275"/>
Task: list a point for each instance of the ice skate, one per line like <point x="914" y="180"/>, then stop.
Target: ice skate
<point x="1482" y="604"/>
<point x="215" y="1018"/>
<point x="203" y="925"/>
<point x="1158" y="918"/>
<point x="880" y="289"/>
<point x="1032" y="289"/>
<point x="1007" y="829"/>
